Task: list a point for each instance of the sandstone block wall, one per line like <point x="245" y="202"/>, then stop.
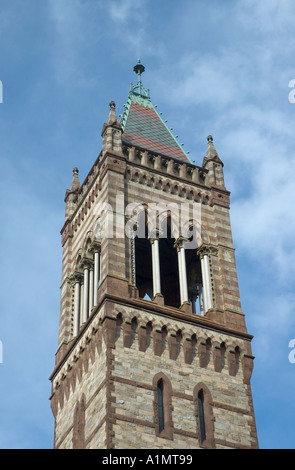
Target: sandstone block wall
<point x="114" y="370"/>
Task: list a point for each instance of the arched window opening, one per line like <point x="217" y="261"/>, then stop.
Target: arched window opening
<point x="194" y="346"/>
<point x="178" y="342"/>
<point x="205" y="417"/>
<point x="194" y="281"/>
<point x="88" y="245"/>
<point x="237" y="359"/>
<point x="79" y="425"/>
<point x="165" y="264"/>
<point x="163" y="406"/>
<point x="85" y="283"/>
<point x="143" y="265"/>
<point x="160" y="394"/>
<point x="201" y="415"/>
<point x="119" y="322"/>
<point x="169" y="268"/>
<point x="222" y="355"/>
<point x="164" y="334"/>
<point x="208" y="350"/>
<point x="149" y="330"/>
<point x="133" y="329"/>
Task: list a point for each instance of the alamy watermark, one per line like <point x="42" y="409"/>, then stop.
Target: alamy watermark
<point x="292" y="352"/>
<point x="149" y="220"/>
<point x="292" y="92"/>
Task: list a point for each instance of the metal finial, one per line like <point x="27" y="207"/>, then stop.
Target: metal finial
<point x="75" y="170"/>
<point x="210" y="138"/>
<point x="139" y="69"/>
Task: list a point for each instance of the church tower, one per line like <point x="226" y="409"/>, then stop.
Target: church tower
<point x="153" y="348"/>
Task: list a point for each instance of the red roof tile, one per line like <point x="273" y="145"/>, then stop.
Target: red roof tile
<point x="143" y="127"/>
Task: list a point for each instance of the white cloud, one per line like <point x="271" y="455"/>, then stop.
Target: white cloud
<point x="130" y="27"/>
<point x="260" y="164"/>
<point x="261" y="16"/>
<point x="121" y="11"/>
<point x="240" y="90"/>
<point x="77" y="32"/>
<point x="273" y="317"/>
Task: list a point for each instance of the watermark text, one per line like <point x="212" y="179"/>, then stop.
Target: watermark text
<point x="292" y="352"/>
<point x="292" y="92"/>
<point x="149" y="220"/>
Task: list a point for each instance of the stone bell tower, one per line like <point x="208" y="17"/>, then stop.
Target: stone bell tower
<point x="153" y="348"/>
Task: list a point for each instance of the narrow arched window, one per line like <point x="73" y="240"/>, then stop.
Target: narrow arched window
<point x="204" y="416"/>
<point x="79" y="425"/>
<point x="201" y="415"/>
<point x="237" y="359"/>
<point x="160" y="393"/>
<point x="163" y="406"/>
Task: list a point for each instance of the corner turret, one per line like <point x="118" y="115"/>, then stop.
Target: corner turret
<point x="112" y="132"/>
<point x="71" y="194"/>
<point x="213" y="163"/>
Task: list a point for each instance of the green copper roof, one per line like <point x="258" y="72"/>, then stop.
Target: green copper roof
<point x="143" y="126"/>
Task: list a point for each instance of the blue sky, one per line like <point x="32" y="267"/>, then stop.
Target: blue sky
<point x="219" y="68"/>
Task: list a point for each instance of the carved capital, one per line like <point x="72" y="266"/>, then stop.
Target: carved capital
<point x="77" y="276"/>
<point x="206" y="249"/>
<point x="178" y="244"/>
<point x="156" y="237"/>
<point x="95" y="246"/>
<point x="86" y="263"/>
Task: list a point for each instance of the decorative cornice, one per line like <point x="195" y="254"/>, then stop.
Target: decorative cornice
<point x="148" y="307"/>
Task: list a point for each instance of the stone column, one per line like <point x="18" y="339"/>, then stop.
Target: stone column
<point x="86" y="293"/>
<point x="203" y="252"/>
<point x="96" y="276"/>
<point x="201" y="300"/>
<point x="208" y="283"/>
<point x="81" y="301"/>
<point x="91" y="289"/>
<point x="156" y="266"/>
<point x="182" y="271"/>
<point x="133" y="260"/>
<point x="77" y="306"/>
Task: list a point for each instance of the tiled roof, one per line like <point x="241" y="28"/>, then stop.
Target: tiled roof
<point x="143" y="127"/>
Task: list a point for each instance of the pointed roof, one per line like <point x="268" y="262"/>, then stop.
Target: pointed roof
<point x="75" y="185"/>
<point x="75" y="181"/>
<point x="112" y="119"/>
<point x="143" y="126"/>
<point x="211" y="153"/>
